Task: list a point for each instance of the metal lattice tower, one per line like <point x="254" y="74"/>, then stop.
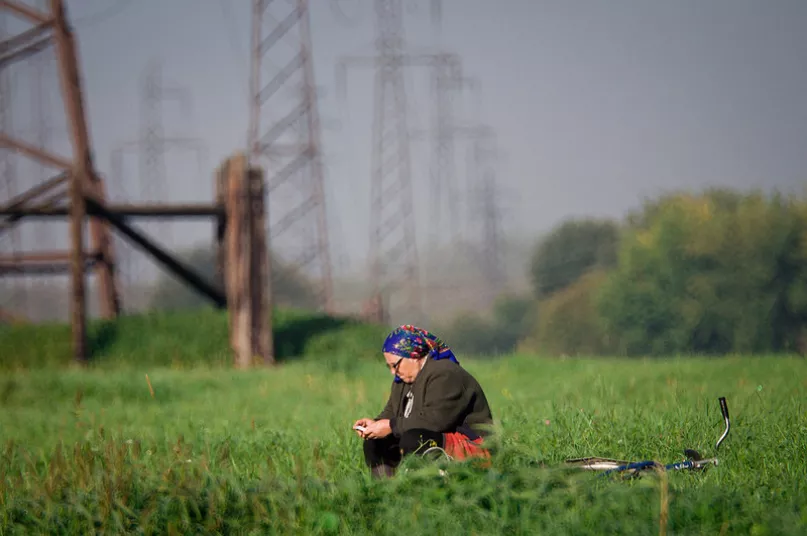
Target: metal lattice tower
<point x="42" y="78"/>
<point x="448" y="83"/>
<point x="33" y="76"/>
<point x="485" y="218"/>
<point x="152" y="164"/>
<point x="151" y="168"/>
<point x="45" y="27"/>
<point x="449" y="191"/>
<point x="394" y="263"/>
<point x="11" y="292"/>
<point x="152" y="182"/>
<point x="285" y="138"/>
<point x="393" y="256"/>
<point x="126" y="254"/>
<point x="445" y="80"/>
<point x="445" y="73"/>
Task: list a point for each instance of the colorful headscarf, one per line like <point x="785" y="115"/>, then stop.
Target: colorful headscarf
<point x="413" y="342"/>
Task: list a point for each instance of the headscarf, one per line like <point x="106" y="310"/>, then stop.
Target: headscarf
<point x="413" y="342"/>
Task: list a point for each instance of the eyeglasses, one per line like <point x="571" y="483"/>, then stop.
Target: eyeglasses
<point x="394" y="368"/>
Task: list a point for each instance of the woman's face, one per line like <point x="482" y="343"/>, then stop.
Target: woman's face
<point x="405" y="367"/>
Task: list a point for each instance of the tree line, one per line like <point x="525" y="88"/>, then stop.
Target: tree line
<point x="711" y="273"/>
<point x="708" y="273"/>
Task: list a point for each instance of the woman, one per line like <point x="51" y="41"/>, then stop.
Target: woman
<point x="433" y="402"/>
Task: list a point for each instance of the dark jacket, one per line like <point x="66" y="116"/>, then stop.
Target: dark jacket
<point x="445" y="398"/>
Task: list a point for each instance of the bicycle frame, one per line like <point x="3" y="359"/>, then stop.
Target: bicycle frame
<point x="694" y="461"/>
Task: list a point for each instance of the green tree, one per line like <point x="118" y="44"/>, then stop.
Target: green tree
<point x="513" y="317"/>
<point x="713" y="273"/>
<point x="569" y="322"/>
<point x="289" y="287"/>
<point x="572" y="249"/>
<point x="474" y="334"/>
<point x="470" y="334"/>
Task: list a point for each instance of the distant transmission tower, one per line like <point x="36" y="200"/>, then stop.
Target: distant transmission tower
<point x="485" y="219"/>
<point x="152" y="180"/>
<point x="393" y="255"/>
<point x="446" y="74"/>
<point x="285" y="138"/>
<point x="446" y="79"/>
<point x="393" y="240"/>
<point x="153" y="186"/>
<point x="126" y="253"/>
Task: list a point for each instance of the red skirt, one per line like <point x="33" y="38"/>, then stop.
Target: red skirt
<point x="461" y="447"/>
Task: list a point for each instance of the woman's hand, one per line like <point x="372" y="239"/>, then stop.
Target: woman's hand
<point x="377" y="429"/>
<point x="362" y="422"/>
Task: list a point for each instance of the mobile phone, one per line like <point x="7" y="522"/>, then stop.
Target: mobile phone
<point x="360" y="428"/>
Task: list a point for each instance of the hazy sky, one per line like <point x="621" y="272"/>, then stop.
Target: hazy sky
<point x="596" y="104"/>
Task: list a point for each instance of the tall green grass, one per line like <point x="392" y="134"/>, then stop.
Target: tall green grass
<point x="271" y="451"/>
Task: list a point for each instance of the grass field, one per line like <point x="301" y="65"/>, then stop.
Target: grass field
<point x="271" y="451"/>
